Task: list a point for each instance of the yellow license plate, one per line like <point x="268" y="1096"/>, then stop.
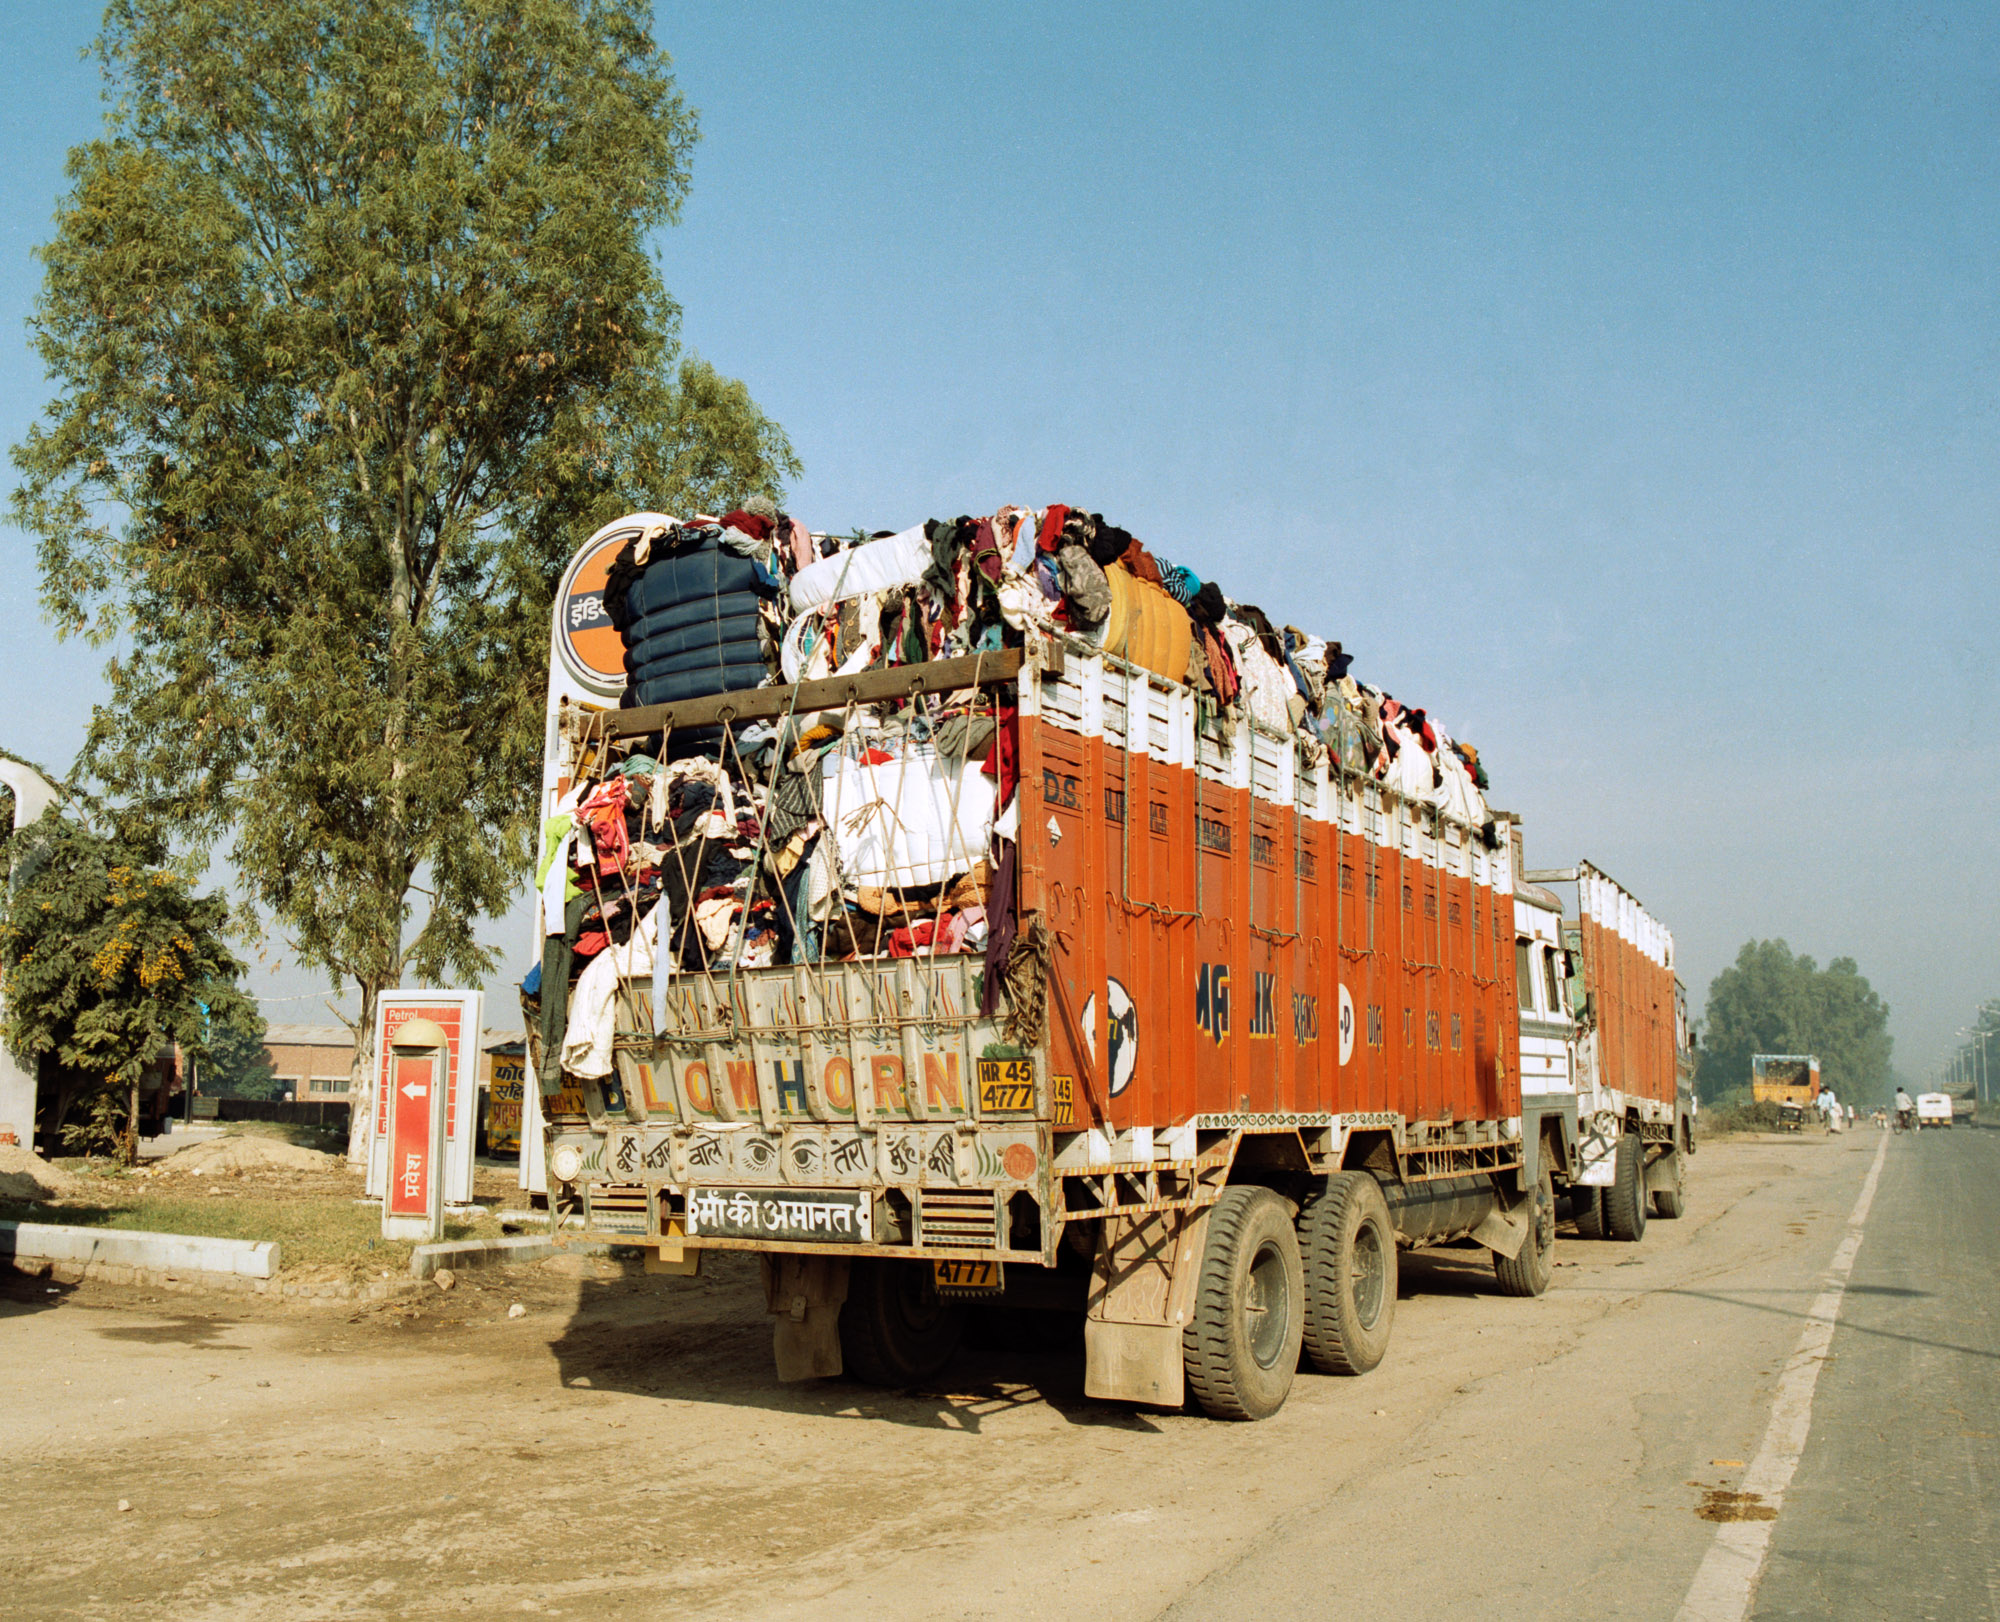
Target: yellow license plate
<point x="967" y="1278"/>
<point x="1006" y="1087"/>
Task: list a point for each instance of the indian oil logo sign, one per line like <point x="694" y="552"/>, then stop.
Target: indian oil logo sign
<point x="591" y="650"/>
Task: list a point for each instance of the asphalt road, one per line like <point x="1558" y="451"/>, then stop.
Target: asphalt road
<point x="621" y="1447"/>
<point x="1895" y="1510"/>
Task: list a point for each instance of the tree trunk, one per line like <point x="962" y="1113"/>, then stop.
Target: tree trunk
<point x="361" y="1080"/>
<point x="131" y="1146"/>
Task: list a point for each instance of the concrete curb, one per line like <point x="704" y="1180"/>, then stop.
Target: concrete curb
<point x="517" y="1250"/>
<point x="174" y="1253"/>
<point x="179" y="1262"/>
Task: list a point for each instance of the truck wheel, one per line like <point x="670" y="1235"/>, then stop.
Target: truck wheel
<point x="1527" y="1272"/>
<point x="1671" y="1202"/>
<point x="1241" y="1345"/>
<point x="1587" y="1204"/>
<point x="1350" y="1274"/>
<point x="893" y="1328"/>
<point x="1625" y="1199"/>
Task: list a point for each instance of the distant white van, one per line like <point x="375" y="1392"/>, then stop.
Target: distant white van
<point x="1934" y="1109"/>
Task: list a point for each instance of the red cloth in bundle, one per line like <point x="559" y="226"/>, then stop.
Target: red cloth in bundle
<point x="1221" y="667"/>
<point x="1003" y="758"/>
<point x="757" y="527"/>
<point x="904" y="942"/>
<point x="604" y="815"/>
<point x="1141" y="562"/>
<point x="1052" y="524"/>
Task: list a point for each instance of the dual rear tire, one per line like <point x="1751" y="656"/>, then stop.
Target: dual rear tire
<point x="1587" y="1207"/>
<point x="1625" y="1201"/>
<point x="894" y="1328"/>
<point x="1240" y="1348"/>
<point x="1349" y="1245"/>
<point x="1270" y="1289"/>
<point x="1671" y="1201"/>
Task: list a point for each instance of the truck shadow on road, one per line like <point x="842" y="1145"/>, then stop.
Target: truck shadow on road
<point x="23" y="1293"/>
<point x="180" y="1329"/>
<point x="709" y="1340"/>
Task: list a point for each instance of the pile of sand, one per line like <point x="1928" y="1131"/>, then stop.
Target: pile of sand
<point x="25" y="1175"/>
<point x="221" y="1156"/>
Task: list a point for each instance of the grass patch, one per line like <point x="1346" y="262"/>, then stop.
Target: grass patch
<point x="311" y="1232"/>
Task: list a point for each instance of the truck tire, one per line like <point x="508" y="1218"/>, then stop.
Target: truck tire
<point x="1241" y="1344"/>
<point x="1527" y="1272"/>
<point x="1349" y="1254"/>
<point x="1669" y="1203"/>
<point x="1587" y="1204"/>
<point x="894" y="1330"/>
<point x="1625" y="1199"/>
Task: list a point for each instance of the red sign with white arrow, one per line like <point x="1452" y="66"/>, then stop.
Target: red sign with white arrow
<point x="413" y="1147"/>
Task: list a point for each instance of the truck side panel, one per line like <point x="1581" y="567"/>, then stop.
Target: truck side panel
<point x="1211" y="901"/>
<point x="1629" y="969"/>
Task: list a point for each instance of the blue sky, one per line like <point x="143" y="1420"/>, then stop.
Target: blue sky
<point x="1620" y="382"/>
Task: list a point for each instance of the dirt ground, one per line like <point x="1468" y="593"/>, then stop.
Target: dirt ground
<point x="621" y="1447"/>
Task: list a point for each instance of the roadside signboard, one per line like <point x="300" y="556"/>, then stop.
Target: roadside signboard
<point x="419" y="1071"/>
<point x="457" y="1013"/>
<point x="504" y="1095"/>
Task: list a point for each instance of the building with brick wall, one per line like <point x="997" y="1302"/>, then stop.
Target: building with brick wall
<point x="315" y="1061"/>
<point x="312" y="1061"/>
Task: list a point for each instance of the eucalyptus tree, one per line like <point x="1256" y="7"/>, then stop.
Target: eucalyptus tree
<point x="356" y="327"/>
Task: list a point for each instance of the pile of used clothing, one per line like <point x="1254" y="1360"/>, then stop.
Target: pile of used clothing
<point x="887" y="830"/>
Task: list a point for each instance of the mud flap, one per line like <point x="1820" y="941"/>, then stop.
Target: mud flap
<point x="1505" y="1228"/>
<point x="805" y="1294"/>
<point x="1660" y="1171"/>
<point x="1141" y="1291"/>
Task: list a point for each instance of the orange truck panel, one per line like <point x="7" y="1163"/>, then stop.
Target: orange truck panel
<point x="1216" y="950"/>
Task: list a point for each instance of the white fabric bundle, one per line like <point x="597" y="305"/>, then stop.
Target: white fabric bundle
<point x="593" y="1016"/>
<point x="893" y="824"/>
<point x="862" y="571"/>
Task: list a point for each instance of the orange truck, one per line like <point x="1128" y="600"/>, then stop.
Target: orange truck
<point x="1250" y="1027"/>
<point x="1607" y="1049"/>
<point x="1784" y="1078"/>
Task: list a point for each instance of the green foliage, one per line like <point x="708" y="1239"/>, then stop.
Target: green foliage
<point x="1738" y="1112"/>
<point x="106" y="957"/>
<point x="238" y="1066"/>
<point x="357" y="333"/>
<point x="1769" y="1001"/>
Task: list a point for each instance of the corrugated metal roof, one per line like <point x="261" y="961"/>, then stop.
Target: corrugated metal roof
<point x="311" y="1036"/>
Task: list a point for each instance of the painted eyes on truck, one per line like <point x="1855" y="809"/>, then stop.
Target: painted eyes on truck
<point x="758" y="1154"/>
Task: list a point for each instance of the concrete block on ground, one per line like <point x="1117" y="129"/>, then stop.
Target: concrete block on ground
<point x="513" y="1251"/>
<point x="114" y="1247"/>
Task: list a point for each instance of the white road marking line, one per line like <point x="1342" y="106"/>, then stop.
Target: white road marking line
<point x="1727" y="1581"/>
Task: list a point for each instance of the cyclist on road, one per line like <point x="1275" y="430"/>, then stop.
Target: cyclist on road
<point x="1906" y="1110"/>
